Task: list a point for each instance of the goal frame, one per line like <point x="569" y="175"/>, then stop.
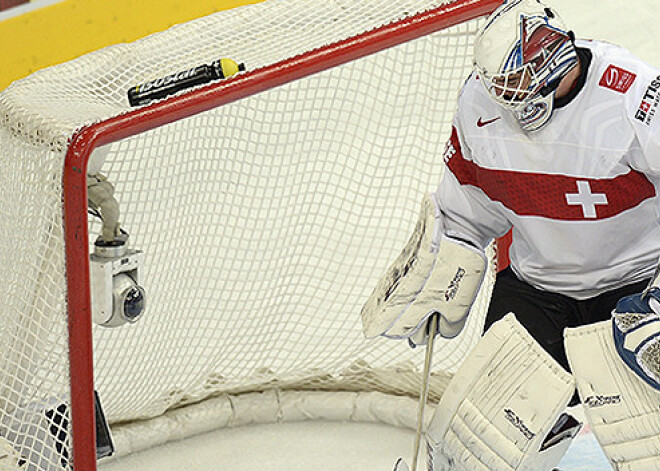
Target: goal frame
<point x="84" y="141"/>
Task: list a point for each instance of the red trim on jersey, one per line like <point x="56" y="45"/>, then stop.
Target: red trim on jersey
<point x="551" y="196"/>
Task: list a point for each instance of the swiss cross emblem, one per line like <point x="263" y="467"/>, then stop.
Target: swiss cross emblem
<point x="585" y="198"/>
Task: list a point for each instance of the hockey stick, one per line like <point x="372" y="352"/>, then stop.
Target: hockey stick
<point x="423" y="395"/>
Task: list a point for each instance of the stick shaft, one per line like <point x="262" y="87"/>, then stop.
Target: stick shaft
<point x="423" y="395"/>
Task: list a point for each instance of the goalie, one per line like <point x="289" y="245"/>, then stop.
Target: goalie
<point x="558" y="140"/>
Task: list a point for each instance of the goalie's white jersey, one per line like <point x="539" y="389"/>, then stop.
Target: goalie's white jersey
<point x="581" y="193"/>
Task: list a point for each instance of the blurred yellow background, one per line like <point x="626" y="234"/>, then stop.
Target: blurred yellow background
<point x="62" y="31"/>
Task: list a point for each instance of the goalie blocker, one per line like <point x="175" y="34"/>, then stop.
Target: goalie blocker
<point x="434" y="273"/>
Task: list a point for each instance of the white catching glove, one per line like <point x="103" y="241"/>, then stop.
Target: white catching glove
<point x="433" y="274"/>
<point x="100" y="196"/>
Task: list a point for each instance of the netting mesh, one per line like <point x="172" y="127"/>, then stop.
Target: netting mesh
<point x="265" y="223"/>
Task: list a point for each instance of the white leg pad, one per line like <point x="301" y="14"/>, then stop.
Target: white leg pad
<point x="500" y="406"/>
<point x="624" y="411"/>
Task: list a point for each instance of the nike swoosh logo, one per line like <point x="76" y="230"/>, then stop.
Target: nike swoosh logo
<point x="481" y="123"/>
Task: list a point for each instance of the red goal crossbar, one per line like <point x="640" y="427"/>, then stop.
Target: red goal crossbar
<point x="175" y="108"/>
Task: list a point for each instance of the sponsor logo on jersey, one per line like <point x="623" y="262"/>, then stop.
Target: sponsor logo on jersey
<point x="601" y="401"/>
<point x="519" y="424"/>
<point x="649" y="105"/>
<point x="617" y="79"/>
<point x="481" y="123"/>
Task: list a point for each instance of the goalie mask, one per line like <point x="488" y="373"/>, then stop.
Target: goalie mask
<point x="521" y="54"/>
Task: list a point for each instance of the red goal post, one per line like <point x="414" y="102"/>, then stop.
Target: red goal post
<point x="140" y="120"/>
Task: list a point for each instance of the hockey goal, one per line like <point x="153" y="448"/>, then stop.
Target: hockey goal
<point x="266" y="205"/>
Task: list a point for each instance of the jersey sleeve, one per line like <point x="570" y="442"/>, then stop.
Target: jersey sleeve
<point x="467" y="212"/>
<point x="643" y="113"/>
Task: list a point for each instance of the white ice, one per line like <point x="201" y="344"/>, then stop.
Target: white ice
<point x="339" y="446"/>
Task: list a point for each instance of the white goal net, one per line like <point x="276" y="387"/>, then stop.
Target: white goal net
<point x="265" y="223"/>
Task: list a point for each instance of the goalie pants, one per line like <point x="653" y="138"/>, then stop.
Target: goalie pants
<point x="545" y="315"/>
